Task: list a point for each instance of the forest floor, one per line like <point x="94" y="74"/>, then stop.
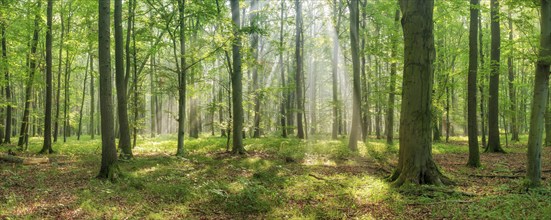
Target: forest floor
<point x="277" y="179"/>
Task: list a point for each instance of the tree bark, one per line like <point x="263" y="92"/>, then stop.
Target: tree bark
<point x="92" y="97"/>
<point x="356" y="92"/>
<point x="152" y="94"/>
<point x="47" y="146"/>
<point x="539" y="103"/>
<point x="120" y="79"/>
<point x="109" y="167"/>
<point x="548" y="122"/>
<point x="66" y="121"/>
<point x="83" y="97"/>
<point x="415" y="164"/>
<point x="363" y="71"/>
<point x="136" y="124"/>
<point x="392" y="86"/>
<point x="283" y="98"/>
<point x="182" y="80"/>
<point x="236" y="79"/>
<point x="482" y="82"/>
<point x="493" y="101"/>
<point x="299" y="77"/>
<point x="474" y="155"/>
<point x="60" y="63"/>
<point x="7" y="136"/>
<point x="512" y="92"/>
<point x="254" y="52"/>
<point x="335" y="69"/>
<point x="28" y="90"/>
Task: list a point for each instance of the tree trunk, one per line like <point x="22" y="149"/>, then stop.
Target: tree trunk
<point x="8" y="119"/>
<point x="66" y="122"/>
<point x="109" y="167"/>
<point x="335" y="69"/>
<point x="481" y="85"/>
<point x="92" y="97"/>
<point x="474" y="156"/>
<point x="152" y="94"/>
<point x="291" y="104"/>
<point x="82" y="102"/>
<point x="356" y="92"/>
<point x="47" y="146"/>
<point x="415" y="164"/>
<point x="60" y="63"/>
<point x="299" y="77"/>
<point x="136" y="94"/>
<point x="120" y="79"/>
<point x="254" y="52"/>
<point x="548" y="122"/>
<point x="512" y="92"/>
<point x="282" y="112"/>
<point x="182" y="80"/>
<point x="236" y="79"/>
<point x="28" y="90"/>
<point x="392" y="86"/>
<point x="493" y="101"/>
<point x="364" y="94"/>
<point x="539" y="103"/>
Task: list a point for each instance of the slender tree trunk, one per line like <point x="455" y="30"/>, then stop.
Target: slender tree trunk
<point x="121" y="78"/>
<point x="291" y="104"/>
<point x="236" y="79"/>
<point x="92" y="96"/>
<point x="282" y="112"/>
<point x="392" y="86"/>
<point x="481" y="84"/>
<point x="136" y="94"/>
<point x="378" y="96"/>
<point x="364" y="94"/>
<point x="335" y="69"/>
<point x="7" y="136"/>
<point x="474" y="156"/>
<point x="512" y="92"/>
<point x="66" y="125"/>
<point x="83" y="98"/>
<point x="493" y="102"/>
<point x="299" y="77"/>
<point x="254" y="52"/>
<point x="539" y="103"/>
<point x="415" y="164"/>
<point x="109" y="167"/>
<point x="60" y="63"/>
<point x="152" y="94"/>
<point x="356" y="91"/>
<point x="182" y="80"/>
<point x="28" y="90"/>
<point x="548" y="122"/>
<point x="47" y="146"/>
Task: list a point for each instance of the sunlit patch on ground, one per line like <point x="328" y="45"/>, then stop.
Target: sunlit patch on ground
<point x="277" y="179"/>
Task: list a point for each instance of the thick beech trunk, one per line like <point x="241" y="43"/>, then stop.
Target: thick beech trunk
<point x="415" y="164"/>
<point x="109" y="167"/>
<point x="539" y="103"/>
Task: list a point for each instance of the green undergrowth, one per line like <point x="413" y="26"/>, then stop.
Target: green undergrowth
<point x="277" y="179"/>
